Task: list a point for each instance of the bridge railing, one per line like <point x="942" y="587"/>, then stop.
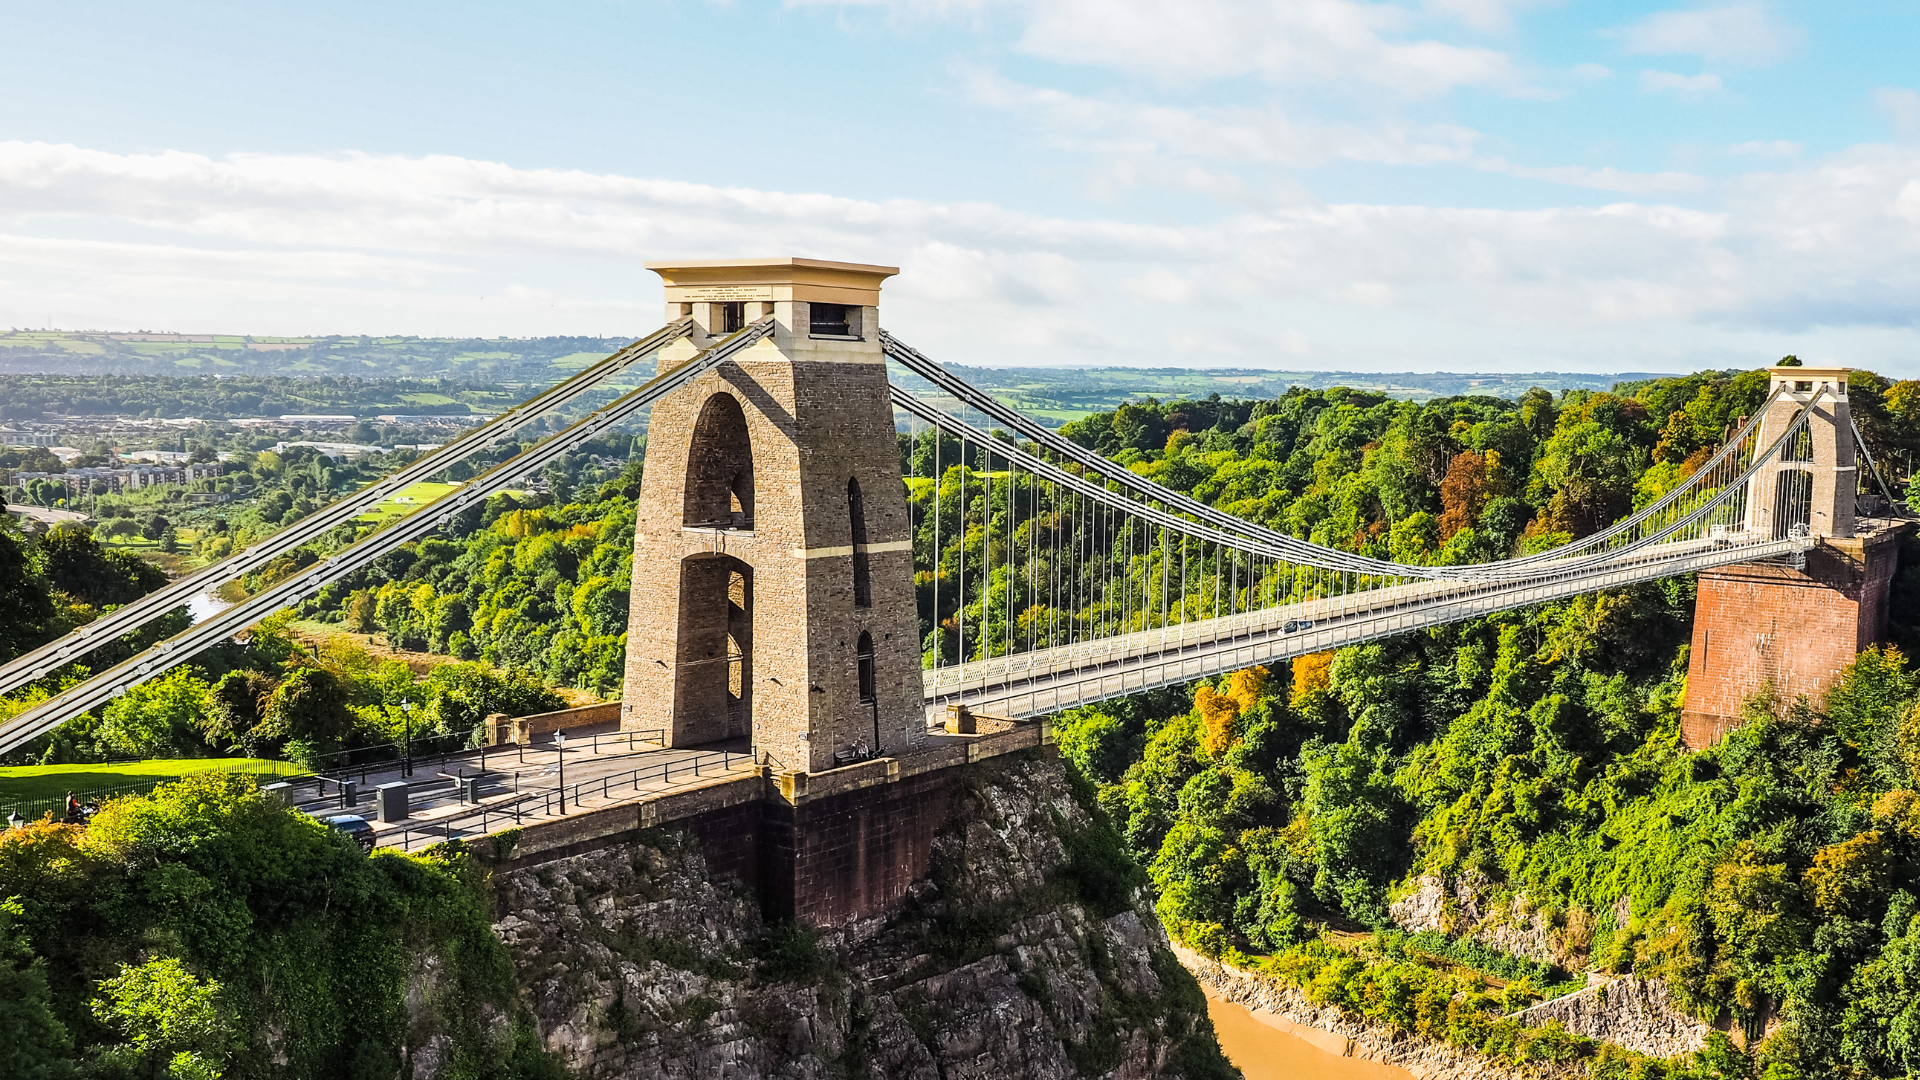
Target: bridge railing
<point x="545" y="802"/>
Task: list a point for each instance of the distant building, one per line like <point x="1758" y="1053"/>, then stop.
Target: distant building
<point x="27" y="438"/>
<point x="324" y="420"/>
<point x="348" y="451"/>
<point x="127" y="478"/>
<point x="449" y="420"/>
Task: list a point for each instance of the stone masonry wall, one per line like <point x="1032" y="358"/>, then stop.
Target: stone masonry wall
<point x="812" y="426"/>
<point x="835" y="850"/>
<point x="857" y="854"/>
<point x="1757" y="624"/>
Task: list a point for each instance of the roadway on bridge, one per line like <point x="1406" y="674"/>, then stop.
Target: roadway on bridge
<point x="520" y="785"/>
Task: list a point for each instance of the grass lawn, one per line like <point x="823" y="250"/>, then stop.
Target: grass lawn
<point x="54" y="781"/>
<point x="407" y="500"/>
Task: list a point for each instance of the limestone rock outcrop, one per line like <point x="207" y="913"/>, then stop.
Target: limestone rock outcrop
<point x="1639" y="1014"/>
<point x="635" y="961"/>
<point x="1465" y="907"/>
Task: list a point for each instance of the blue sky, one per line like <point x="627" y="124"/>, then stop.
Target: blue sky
<point x="1329" y="184"/>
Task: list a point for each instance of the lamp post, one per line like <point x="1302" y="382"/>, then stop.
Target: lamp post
<point x="406" y="718"/>
<point x="559" y="752"/>
<point x="14" y="820"/>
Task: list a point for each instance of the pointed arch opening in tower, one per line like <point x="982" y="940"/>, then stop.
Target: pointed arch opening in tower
<point x="713" y="664"/>
<point x="719" y="487"/>
<point x="1792" y="501"/>
<point x="857" y="515"/>
<point x="739" y="656"/>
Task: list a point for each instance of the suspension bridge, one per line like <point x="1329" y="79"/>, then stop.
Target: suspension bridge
<point x="788" y="591"/>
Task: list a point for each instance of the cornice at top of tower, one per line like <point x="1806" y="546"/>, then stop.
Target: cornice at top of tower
<point x="791" y="278"/>
<point x="1838" y="373"/>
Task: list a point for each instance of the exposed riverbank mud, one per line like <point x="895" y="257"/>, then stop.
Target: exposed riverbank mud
<point x="1420" y="1057"/>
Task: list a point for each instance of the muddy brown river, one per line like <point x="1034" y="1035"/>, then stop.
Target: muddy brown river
<point x="1264" y="1051"/>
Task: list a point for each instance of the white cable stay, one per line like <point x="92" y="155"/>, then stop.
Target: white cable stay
<point x="127" y="618"/>
<point x="1550" y="564"/>
<point x="107" y="685"/>
<point x="1306" y="551"/>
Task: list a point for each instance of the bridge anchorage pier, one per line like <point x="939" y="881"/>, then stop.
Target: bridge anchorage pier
<point x="773" y="593"/>
<point x="1794" y="625"/>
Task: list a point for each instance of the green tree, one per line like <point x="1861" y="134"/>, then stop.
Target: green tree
<point x="161" y="717"/>
<point x="309" y="713"/>
<point x="169" y="1018"/>
<point x="26" y="611"/>
<point x="77" y="565"/>
<point x="34" y="1044"/>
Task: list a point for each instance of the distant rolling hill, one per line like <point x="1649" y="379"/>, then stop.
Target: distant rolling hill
<point x="492" y="370"/>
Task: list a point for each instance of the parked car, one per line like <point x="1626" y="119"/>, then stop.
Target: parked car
<point x="355" y="827"/>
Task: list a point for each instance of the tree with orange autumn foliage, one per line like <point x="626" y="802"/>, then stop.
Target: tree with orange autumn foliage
<point x="1220" y="712"/>
<point x="1465" y="491"/>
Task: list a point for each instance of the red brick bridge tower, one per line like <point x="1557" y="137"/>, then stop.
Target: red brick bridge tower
<point x="772" y="563"/>
<point x="1793" y="627"/>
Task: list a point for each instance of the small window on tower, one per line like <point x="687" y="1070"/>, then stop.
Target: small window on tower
<point x="729" y="318"/>
<point x="1803" y="386"/>
<point x="832" y="320"/>
<point x="863" y="660"/>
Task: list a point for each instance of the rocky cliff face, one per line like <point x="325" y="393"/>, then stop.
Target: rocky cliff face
<point x="1464" y="907"/>
<point x="1027" y="952"/>
<point x="1639" y="1014"/>
<point x="1634" y="1013"/>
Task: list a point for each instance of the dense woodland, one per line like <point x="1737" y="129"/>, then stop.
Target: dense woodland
<point x="1277" y="814"/>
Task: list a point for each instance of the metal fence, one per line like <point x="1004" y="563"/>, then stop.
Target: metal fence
<point x="545" y="802"/>
<point x="369" y="764"/>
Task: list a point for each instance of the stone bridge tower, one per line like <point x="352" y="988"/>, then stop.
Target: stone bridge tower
<point x="1794" y="628"/>
<point x="773" y="591"/>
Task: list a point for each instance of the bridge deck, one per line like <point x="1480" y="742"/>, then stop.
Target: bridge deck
<point x="1048" y="680"/>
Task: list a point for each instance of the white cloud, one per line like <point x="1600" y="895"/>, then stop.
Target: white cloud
<point x="1688" y="86"/>
<point x="1772" y="148"/>
<point x="1286" y="41"/>
<point x="1490" y="15"/>
<point x="362" y="242"/>
<point x="1902" y="108"/>
<point x="1744" y="33"/>
<point x="1138" y="139"/>
<point x="1247" y="135"/>
<point x="1312" y="42"/>
<point x="1605" y="179"/>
